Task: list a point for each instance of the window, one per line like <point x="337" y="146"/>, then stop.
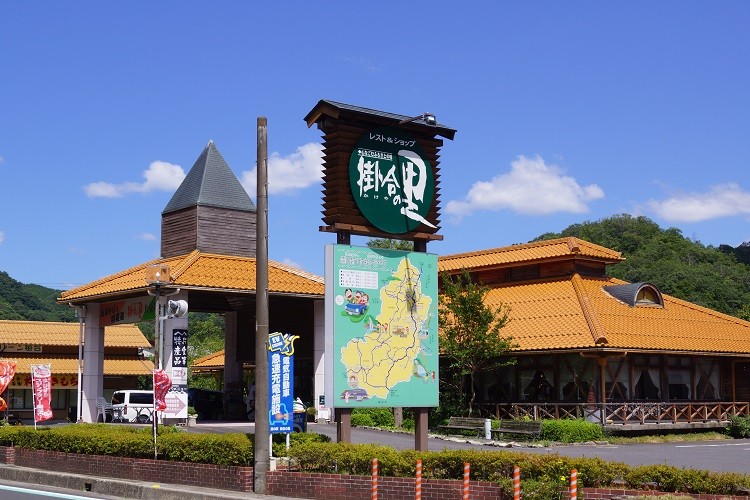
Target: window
<point x="647" y="296"/>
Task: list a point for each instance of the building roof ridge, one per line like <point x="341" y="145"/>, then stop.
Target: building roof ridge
<point x="566" y="247"/>
<point x="592" y="320"/>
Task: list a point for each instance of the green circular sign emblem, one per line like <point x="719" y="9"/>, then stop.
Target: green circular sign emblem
<point x="391" y="180"/>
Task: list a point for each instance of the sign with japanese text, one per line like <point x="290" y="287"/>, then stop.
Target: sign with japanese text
<point x="23" y="380"/>
<point x="41" y="382"/>
<point x="392" y="180"/>
<point x="281" y="382"/>
<point x="176" y="398"/>
<point x="31" y="348"/>
<point x="127" y="311"/>
<point x="179" y="357"/>
<point x="382" y="339"/>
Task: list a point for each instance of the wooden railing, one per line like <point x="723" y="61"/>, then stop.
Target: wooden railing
<point x="621" y="413"/>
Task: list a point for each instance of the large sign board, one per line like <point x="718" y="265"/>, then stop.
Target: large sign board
<point x="391" y="180"/>
<point x="177" y="398"/>
<point x="281" y="382"/>
<point x="381" y="321"/>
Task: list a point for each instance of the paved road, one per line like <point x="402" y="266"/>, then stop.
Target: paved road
<point x="723" y="455"/>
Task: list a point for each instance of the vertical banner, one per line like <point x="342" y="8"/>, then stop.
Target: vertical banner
<point x="7" y="371"/>
<point x="41" y="383"/>
<point x="177" y="398"/>
<point x="162" y="383"/>
<point x="281" y="382"/>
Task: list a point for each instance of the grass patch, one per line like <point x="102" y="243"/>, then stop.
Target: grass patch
<point x="669" y="438"/>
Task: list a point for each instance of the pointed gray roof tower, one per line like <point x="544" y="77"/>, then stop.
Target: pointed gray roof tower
<point x="210" y="211"/>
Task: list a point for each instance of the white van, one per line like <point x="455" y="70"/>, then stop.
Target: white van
<point x="133" y="406"/>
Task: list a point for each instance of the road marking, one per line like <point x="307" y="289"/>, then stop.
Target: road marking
<point x="709" y="445"/>
<point x="44" y="493"/>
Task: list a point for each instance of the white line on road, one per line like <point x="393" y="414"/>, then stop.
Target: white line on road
<point x="709" y="445"/>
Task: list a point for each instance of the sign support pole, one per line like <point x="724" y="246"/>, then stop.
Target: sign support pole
<point x="262" y="426"/>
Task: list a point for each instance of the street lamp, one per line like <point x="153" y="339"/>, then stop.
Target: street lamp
<point x="158" y="277"/>
<point x="427" y="118"/>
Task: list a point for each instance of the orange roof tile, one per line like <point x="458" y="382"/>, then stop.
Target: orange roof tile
<point x="69" y="366"/>
<point x="66" y="334"/>
<point x="210" y="361"/>
<point x="571" y="313"/>
<point x="203" y="271"/>
<point x="530" y="252"/>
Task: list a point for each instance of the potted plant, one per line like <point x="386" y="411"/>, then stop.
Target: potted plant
<point x="192" y="416"/>
<point x="311" y="413"/>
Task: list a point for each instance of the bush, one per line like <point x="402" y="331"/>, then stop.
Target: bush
<point x="279" y="441"/>
<point x="571" y="431"/>
<point x="362" y="420"/>
<point x="381" y="417"/>
<point x="739" y="427"/>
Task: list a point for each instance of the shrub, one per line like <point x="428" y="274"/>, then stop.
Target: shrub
<point x="571" y="431"/>
<point x="739" y="427"/>
<point x="381" y="417"/>
<point x="279" y="441"/>
<point x="362" y="420"/>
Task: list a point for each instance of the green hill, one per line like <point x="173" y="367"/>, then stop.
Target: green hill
<point x="717" y="278"/>
<point x="31" y="302"/>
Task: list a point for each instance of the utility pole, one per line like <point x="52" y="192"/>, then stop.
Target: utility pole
<point x="262" y="460"/>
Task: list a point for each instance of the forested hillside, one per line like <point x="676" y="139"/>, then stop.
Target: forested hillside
<point x="714" y="277"/>
<point x="32" y="302"/>
<point x="718" y="278"/>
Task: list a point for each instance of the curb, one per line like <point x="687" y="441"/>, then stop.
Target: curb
<point x="113" y="488"/>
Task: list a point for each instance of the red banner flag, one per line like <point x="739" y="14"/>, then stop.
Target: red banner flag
<point x="41" y="382"/>
<point x="7" y="371"/>
<point x="162" y="384"/>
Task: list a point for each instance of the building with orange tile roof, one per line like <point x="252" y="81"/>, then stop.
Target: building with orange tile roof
<point x="40" y="343"/>
<point x="208" y="244"/>
<point x="583" y="337"/>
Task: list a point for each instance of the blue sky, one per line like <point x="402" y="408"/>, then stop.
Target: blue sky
<point x="565" y="112"/>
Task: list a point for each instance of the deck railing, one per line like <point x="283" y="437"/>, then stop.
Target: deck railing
<point x="622" y="412"/>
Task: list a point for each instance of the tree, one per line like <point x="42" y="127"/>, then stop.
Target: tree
<point x="390" y="244"/>
<point x="471" y="330"/>
<point x="717" y="278"/>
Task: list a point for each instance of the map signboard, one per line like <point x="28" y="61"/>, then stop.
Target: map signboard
<point x="381" y="321"/>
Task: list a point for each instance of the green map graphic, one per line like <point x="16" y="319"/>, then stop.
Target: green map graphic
<point x="385" y="328"/>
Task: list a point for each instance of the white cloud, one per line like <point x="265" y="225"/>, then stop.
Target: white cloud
<point x="723" y="200"/>
<point x="299" y="170"/>
<point x="532" y="187"/>
<point x="289" y="262"/>
<point x="2" y="237"/>
<point x="160" y="176"/>
<point x="146" y="237"/>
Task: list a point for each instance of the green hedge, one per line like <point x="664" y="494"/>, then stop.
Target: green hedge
<point x="571" y="431"/>
<point x="134" y="442"/>
<point x="312" y="452"/>
<point x="544" y="470"/>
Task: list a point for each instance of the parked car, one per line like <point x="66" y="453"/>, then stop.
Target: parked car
<point x="133" y="406"/>
<point x="207" y="403"/>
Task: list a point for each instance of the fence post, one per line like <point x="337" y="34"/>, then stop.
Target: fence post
<point x="487" y="429"/>
<point x="418" y="486"/>
<point x="374" y="495"/>
<point x="467" y="474"/>
<point x="516" y="483"/>
<point x="573" y="484"/>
